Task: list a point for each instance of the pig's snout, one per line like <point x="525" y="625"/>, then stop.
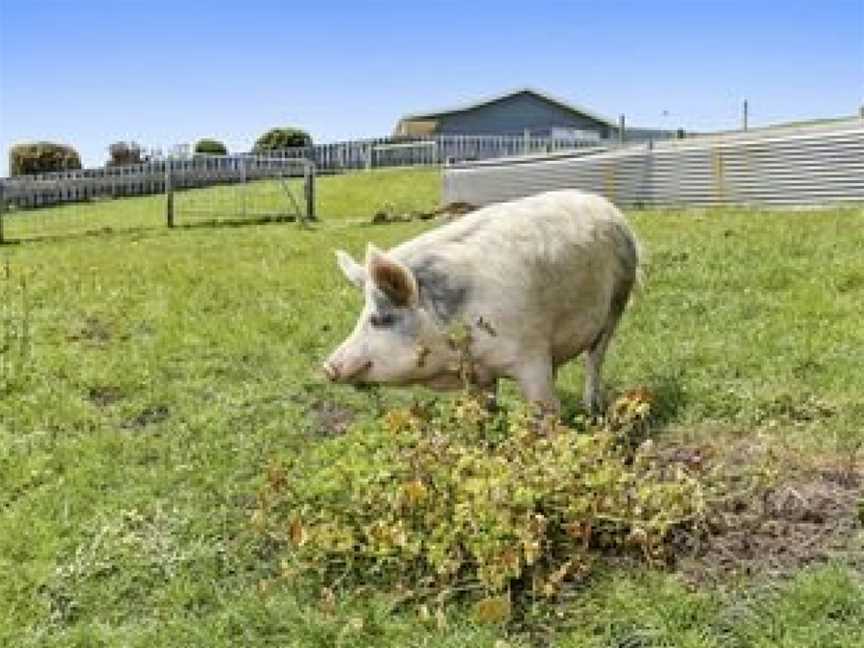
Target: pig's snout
<point x="344" y="371"/>
<point x="330" y="371"/>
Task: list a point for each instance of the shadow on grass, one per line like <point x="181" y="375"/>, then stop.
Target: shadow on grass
<point x="243" y="222"/>
<point x="666" y="389"/>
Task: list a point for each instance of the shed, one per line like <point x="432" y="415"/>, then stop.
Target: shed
<point x="510" y="113"/>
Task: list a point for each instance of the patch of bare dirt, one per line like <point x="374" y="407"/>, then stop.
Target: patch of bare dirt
<point x="332" y="418"/>
<point x="449" y="211"/>
<point x="455" y="209"/>
<point x="148" y="416"/>
<point x="93" y="330"/>
<point x="104" y="395"/>
<point x="808" y="518"/>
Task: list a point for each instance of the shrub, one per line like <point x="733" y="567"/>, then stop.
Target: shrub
<point x="125" y="153"/>
<point x="42" y="157"/>
<point x="210" y="147"/>
<point x="443" y="498"/>
<point x="277" y="139"/>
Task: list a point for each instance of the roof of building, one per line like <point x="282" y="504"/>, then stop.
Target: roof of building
<point x="504" y="95"/>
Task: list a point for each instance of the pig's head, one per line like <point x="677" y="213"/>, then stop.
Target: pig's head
<point x="397" y="339"/>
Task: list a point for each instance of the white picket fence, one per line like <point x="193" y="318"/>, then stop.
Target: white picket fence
<point x="438" y="149"/>
<point x="141" y="179"/>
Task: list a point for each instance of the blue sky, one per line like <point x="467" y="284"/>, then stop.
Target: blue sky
<point x="89" y="73"/>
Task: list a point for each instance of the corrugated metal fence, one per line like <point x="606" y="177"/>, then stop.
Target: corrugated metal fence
<point x="790" y="166"/>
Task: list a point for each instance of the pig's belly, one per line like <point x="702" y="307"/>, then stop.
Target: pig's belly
<point x="574" y="335"/>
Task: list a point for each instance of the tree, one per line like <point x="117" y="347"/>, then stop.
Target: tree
<point x="42" y="157"/>
<point x="208" y="146"/>
<point x="277" y="139"/>
<point x="125" y="153"/>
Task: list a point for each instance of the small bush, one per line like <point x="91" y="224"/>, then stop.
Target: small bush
<point x="449" y="497"/>
<point x="42" y="157"/>
<point x="210" y="147"/>
<point x="125" y="153"/>
<point x="277" y="139"/>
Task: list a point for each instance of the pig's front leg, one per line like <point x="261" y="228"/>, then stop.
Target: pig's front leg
<point x="536" y="380"/>
<point x="490" y="395"/>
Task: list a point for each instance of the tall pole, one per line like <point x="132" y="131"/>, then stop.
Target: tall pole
<point x="621" y="124"/>
<point x="744" y="116"/>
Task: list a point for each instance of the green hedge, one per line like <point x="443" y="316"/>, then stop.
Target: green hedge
<point x="277" y="139"/>
<point x="208" y="146"/>
<point x="42" y="157"/>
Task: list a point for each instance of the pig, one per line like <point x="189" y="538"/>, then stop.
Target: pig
<point x="534" y="282"/>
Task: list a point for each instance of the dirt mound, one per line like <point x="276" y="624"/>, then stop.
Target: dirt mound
<point x="332" y="418"/>
<point x="449" y="211"/>
<point x="808" y="519"/>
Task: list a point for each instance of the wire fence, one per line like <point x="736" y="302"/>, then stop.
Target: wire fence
<point x="241" y="188"/>
<point x="788" y="166"/>
<point x="177" y="193"/>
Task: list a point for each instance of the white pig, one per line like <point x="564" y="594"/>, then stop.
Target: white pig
<point x="537" y="281"/>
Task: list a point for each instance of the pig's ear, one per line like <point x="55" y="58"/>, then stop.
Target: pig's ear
<point x="391" y="277"/>
<point x="350" y="268"/>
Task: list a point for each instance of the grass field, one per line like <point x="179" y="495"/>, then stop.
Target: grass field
<point x="165" y="369"/>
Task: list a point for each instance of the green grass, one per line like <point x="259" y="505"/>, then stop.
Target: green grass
<point x="167" y="368"/>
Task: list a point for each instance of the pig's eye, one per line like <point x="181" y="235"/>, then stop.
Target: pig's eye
<point x="385" y="319"/>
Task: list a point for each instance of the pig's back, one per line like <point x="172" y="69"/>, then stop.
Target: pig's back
<point x="537" y="232"/>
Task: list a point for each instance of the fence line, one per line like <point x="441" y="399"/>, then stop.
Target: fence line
<point x="141" y="179"/>
<point x="788" y="167"/>
<point x="199" y="171"/>
<point x="232" y="191"/>
<point x="433" y="149"/>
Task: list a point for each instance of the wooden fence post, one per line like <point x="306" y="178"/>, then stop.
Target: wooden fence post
<point x="169" y="195"/>
<point x="2" y="209"/>
<point x="309" y="189"/>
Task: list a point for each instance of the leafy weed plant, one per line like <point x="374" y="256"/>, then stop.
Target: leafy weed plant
<point x="434" y="500"/>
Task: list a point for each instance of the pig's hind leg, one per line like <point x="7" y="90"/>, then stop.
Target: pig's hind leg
<point x="596" y="353"/>
<point x="593" y="395"/>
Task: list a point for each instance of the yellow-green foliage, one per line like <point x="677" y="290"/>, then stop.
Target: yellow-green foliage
<point x="278" y="139"/>
<point x="42" y="157"/>
<point x="450" y="496"/>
